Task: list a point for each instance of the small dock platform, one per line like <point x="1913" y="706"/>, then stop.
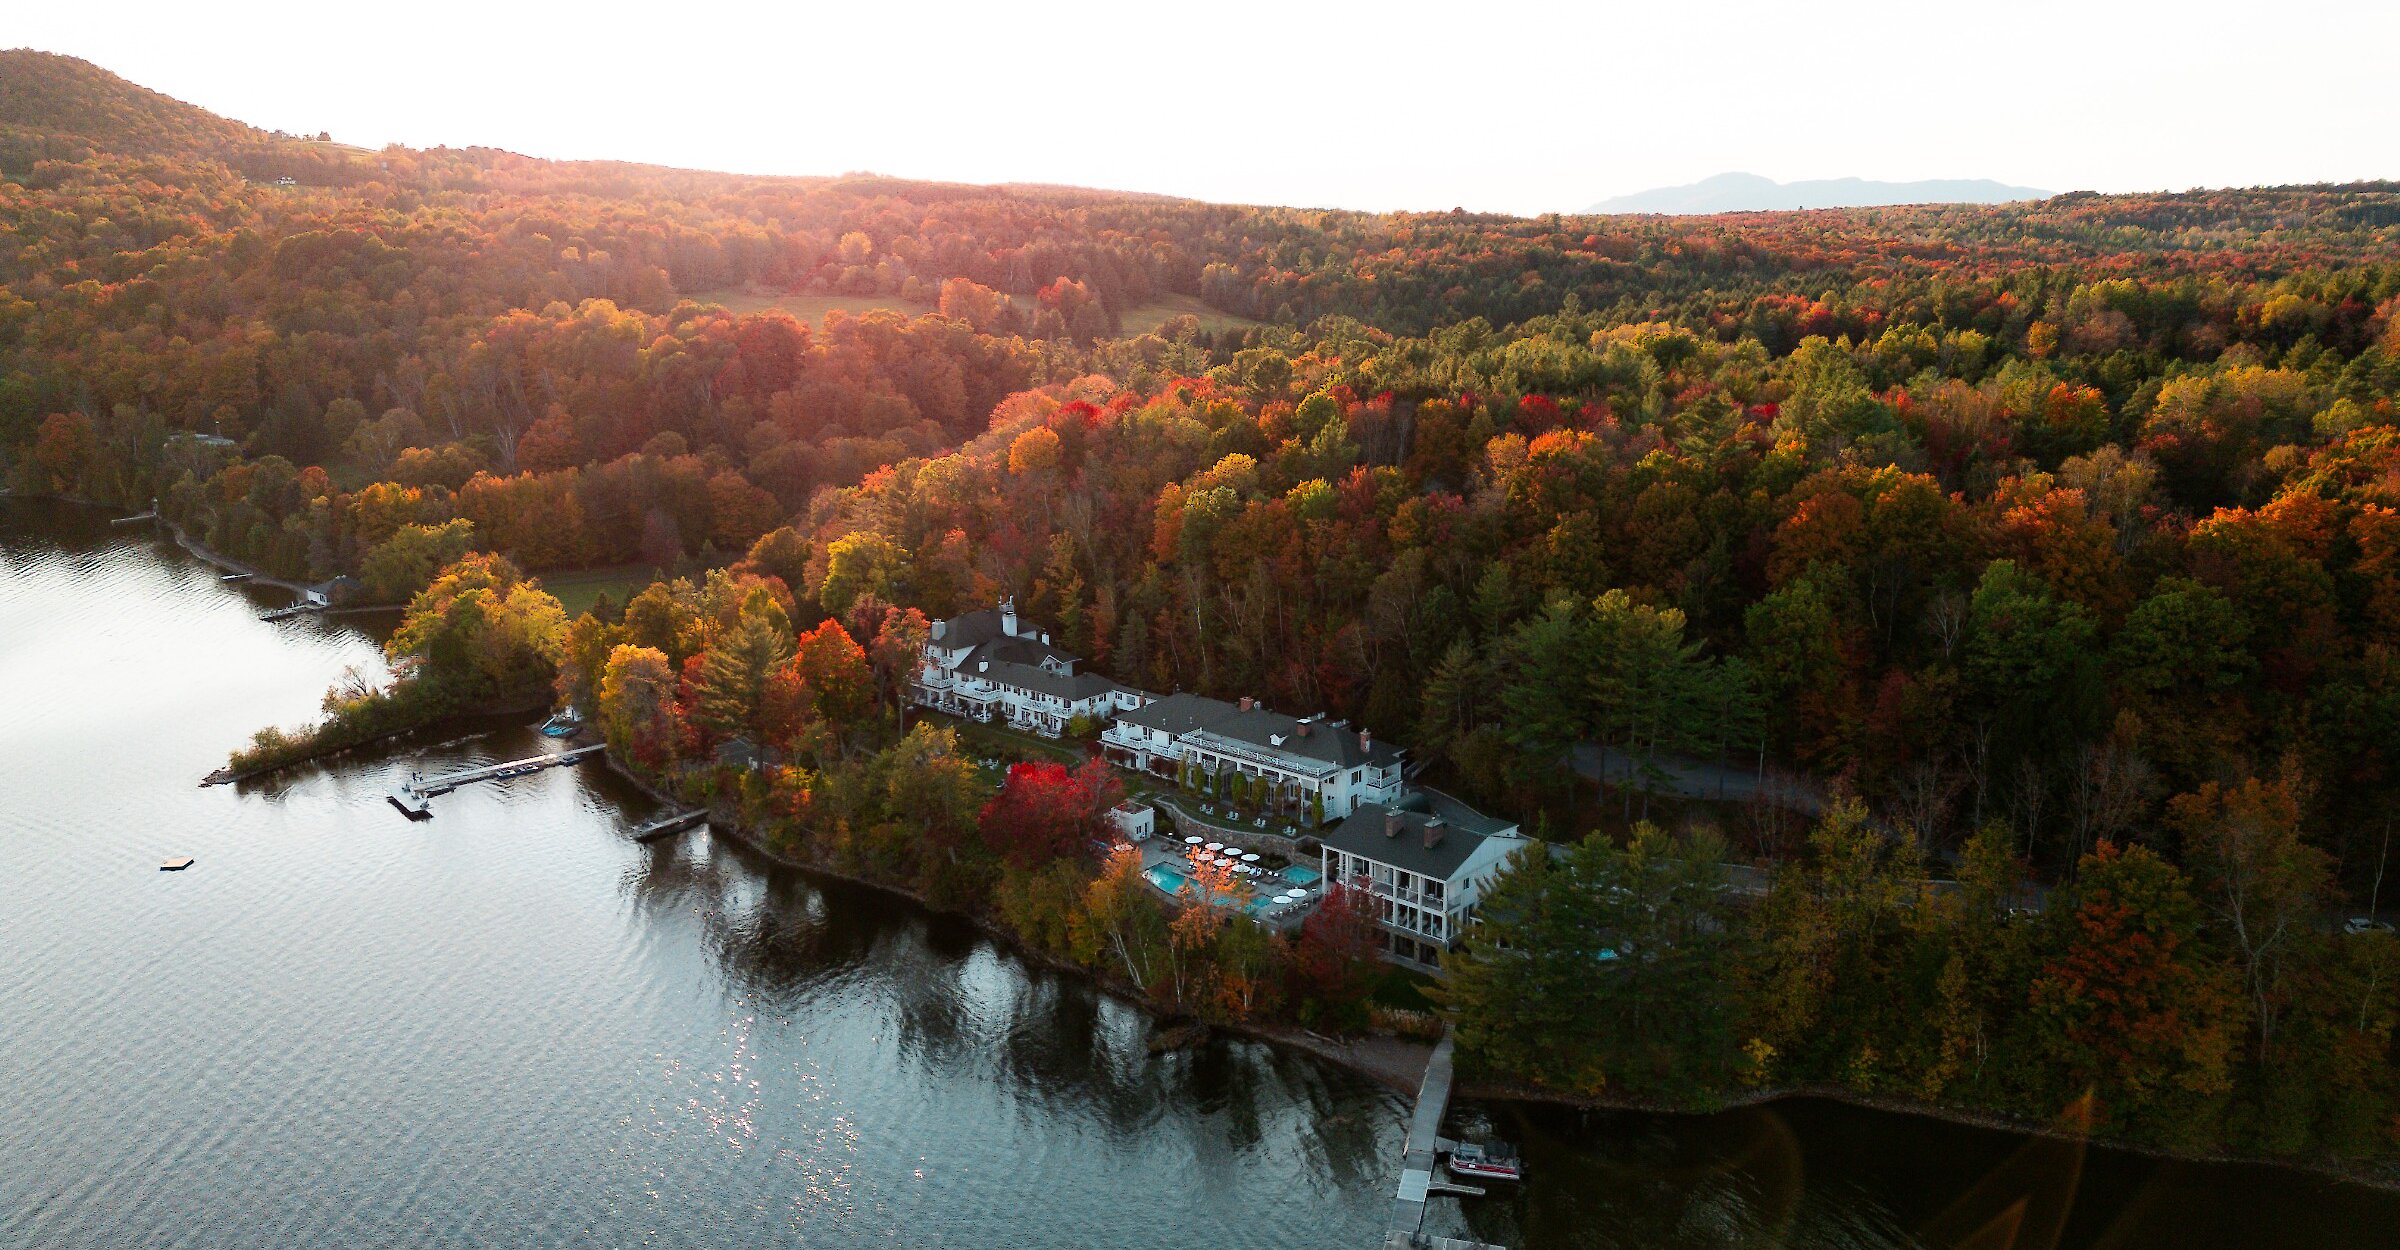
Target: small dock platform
<point x="411" y="798"/>
<point x="151" y="515"/>
<point x="660" y="830"/>
<point x="237" y="577"/>
<point x="176" y="864"/>
<point x="1418" y="1178"/>
<point x="302" y="608"/>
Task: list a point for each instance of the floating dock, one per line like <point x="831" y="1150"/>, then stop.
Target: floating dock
<point x="237" y="577"/>
<point x="413" y="795"/>
<point x="177" y="864"/>
<point x="302" y="608"/>
<point x="151" y="515"/>
<point x="659" y="830"/>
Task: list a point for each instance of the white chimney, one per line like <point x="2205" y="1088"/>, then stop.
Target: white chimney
<point x="1008" y="615"/>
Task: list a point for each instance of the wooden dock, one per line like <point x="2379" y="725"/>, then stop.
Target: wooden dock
<point x="659" y="830"/>
<point x="302" y="608"/>
<point x="151" y="515"/>
<point x="413" y="795"/>
<point x="1418" y="1178"/>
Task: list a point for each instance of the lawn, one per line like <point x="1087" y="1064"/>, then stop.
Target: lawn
<point x="1143" y="318"/>
<point x="579" y="589"/>
<point x="1403" y="988"/>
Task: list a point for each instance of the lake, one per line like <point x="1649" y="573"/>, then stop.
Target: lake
<point x="512" y="1025"/>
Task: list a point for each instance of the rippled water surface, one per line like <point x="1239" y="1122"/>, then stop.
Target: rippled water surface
<point x="511" y="1025"/>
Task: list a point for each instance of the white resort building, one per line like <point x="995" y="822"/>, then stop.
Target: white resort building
<point x="1426" y="870"/>
<point x="1302" y="762"/>
<point x="991" y="665"/>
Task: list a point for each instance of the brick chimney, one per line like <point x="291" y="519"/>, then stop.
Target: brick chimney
<point x="1391" y="822"/>
<point x="1433" y="832"/>
<point x="1247" y="703"/>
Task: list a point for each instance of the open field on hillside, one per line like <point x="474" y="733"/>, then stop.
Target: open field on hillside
<point x="807" y="307"/>
<point x="811" y="308"/>
<point x="578" y="589"/>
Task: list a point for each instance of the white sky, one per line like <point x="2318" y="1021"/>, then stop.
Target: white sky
<point x="1509" y="105"/>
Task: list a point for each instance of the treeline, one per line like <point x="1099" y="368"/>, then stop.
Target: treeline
<point x="708" y="689"/>
<point x="2057" y="518"/>
<point x="2200" y="1011"/>
<point x="480" y="636"/>
<point x="1986" y="592"/>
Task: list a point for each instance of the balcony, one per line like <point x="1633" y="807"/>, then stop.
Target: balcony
<point x="1385" y="889"/>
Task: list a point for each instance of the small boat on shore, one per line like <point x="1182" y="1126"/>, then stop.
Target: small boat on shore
<point x="562" y="724"/>
<point x="1489" y="1161"/>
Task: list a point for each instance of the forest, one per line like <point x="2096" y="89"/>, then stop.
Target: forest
<point x="2057" y="545"/>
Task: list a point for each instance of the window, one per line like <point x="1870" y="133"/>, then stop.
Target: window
<point x="1353" y="776"/>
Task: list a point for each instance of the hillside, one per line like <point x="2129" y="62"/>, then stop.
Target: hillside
<point x="2060" y="539"/>
<point x="1744" y="193"/>
<point x="56" y="108"/>
<point x="65" y="96"/>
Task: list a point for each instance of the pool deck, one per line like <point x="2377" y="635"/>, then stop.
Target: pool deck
<point x="1164" y="851"/>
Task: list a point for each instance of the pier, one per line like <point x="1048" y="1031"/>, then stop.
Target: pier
<point x="1418" y="1179"/>
<point x="413" y="796"/>
<point x="151" y="515"/>
<point x="659" y="830"/>
<point x="302" y="608"/>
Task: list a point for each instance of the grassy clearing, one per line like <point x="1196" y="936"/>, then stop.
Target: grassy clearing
<point x="1140" y="319"/>
<point x="805" y="307"/>
<point x="1143" y="318"/>
<point x="578" y="589"/>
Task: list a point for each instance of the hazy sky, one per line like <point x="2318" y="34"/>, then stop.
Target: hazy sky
<point x="1508" y="105"/>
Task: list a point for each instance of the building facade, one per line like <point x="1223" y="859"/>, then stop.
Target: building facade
<point x="992" y="665"/>
<point x="1133" y="821"/>
<point x="1309" y="767"/>
<point x="1425" y="871"/>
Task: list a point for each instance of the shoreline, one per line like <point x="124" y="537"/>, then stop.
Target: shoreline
<point x="1397" y="1063"/>
<point x="224" y="775"/>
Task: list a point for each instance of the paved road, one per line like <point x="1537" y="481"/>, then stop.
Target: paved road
<point x="1697" y="779"/>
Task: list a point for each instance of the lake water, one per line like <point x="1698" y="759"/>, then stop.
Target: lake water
<point x="512" y="1025"/>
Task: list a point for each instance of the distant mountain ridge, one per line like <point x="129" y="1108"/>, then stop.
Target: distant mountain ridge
<point x="1747" y="193"/>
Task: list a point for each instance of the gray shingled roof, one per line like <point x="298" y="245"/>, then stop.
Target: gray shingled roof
<point x="1362" y="834"/>
<point x="969" y="629"/>
<point x="1178" y="713"/>
<point x="1018" y="651"/>
<point x="1068" y="686"/>
<point x="1337" y="745"/>
<point x="1258" y="729"/>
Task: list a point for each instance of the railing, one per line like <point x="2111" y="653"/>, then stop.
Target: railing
<point x="1279" y="762"/>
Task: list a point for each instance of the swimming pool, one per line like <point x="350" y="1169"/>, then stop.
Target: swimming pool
<point x="1303" y="877"/>
<point x="1166" y="878"/>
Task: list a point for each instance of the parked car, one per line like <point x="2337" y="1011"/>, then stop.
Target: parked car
<point x="2366" y="924"/>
